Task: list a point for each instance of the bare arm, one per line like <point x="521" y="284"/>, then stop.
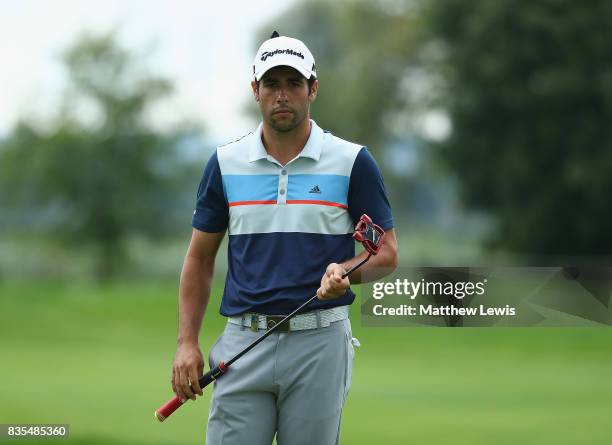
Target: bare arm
<point x="194" y="293"/>
<point x="385" y="262"/>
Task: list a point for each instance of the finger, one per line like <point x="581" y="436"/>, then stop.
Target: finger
<point x="330" y="284"/>
<point x="329" y="290"/>
<point x="184" y="385"/>
<point x="339" y="287"/>
<point x="327" y="286"/>
<point x="333" y="293"/>
<point x="195" y="385"/>
<point x="343" y="283"/>
<point x="321" y="293"/>
<point x="178" y="387"/>
<point x="324" y="293"/>
<point x="176" y="383"/>
<point x="172" y="381"/>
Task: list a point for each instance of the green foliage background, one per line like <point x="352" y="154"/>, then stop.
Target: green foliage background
<point x="97" y="183"/>
<point x="530" y="98"/>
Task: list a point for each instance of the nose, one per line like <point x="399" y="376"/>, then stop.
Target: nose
<point x="281" y="95"/>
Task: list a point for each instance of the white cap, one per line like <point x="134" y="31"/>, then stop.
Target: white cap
<point x="283" y="51"/>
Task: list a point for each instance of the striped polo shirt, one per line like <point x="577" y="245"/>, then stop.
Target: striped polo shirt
<point x="287" y="223"/>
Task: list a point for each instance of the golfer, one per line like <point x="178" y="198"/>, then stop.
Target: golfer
<point x="289" y="195"/>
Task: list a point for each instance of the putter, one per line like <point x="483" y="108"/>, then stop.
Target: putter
<point x="366" y="232"/>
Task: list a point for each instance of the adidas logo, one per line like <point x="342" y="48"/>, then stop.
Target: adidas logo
<point x="315" y="189"/>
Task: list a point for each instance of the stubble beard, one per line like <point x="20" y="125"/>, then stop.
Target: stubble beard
<point x="286" y="125"/>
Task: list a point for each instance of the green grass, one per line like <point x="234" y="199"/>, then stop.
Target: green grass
<point x="99" y="359"/>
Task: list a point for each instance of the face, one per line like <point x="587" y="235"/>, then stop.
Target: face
<point x="283" y="98"/>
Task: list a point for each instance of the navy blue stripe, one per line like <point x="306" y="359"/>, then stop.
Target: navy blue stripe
<point x="273" y="273"/>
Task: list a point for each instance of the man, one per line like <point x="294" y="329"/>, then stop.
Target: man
<point x="289" y="195"/>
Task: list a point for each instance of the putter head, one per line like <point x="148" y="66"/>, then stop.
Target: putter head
<point x="369" y="234"/>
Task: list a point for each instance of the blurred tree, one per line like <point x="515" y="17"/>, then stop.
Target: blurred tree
<point x="529" y="92"/>
<point x="97" y="172"/>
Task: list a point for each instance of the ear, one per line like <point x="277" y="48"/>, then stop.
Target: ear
<point x="255" y="90"/>
<point x="313" y="91"/>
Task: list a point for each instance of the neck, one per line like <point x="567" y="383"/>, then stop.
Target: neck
<point x="284" y="146"/>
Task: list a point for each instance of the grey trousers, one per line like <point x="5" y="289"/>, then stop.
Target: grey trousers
<point x="292" y="384"/>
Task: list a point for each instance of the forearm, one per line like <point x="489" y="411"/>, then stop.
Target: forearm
<point x="194" y="294"/>
<point x="377" y="267"/>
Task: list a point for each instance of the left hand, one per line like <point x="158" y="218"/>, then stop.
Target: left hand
<point x="332" y="283"/>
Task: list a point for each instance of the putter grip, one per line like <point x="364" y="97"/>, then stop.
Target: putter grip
<point x="168" y="408"/>
<point x="173" y="404"/>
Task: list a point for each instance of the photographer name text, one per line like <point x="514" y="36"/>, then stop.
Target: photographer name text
<point x="455" y="289"/>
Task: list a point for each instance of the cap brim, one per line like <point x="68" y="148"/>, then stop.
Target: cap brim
<point x="296" y="66"/>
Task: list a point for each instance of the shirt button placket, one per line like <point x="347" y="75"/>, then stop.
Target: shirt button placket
<point x="283" y="180"/>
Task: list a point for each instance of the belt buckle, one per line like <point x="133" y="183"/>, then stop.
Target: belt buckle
<point x="273" y="320"/>
<point x="254" y="322"/>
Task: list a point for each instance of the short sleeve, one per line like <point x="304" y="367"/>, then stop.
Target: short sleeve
<point x="212" y="212"/>
<point x="367" y="193"/>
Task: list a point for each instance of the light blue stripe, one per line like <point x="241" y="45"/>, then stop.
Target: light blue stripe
<point x="250" y="187"/>
<point x="333" y="188"/>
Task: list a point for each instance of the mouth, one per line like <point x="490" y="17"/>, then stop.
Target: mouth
<point x="282" y="112"/>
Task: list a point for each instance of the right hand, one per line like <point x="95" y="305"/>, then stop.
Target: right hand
<point x="187" y="369"/>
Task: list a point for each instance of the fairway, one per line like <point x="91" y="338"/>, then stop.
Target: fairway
<point x="99" y="359"/>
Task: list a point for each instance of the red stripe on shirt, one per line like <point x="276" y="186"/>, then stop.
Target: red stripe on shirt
<point x="248" y="203"/>
<point x="322" y="203"/>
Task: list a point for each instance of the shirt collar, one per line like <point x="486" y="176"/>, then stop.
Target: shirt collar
<point x="311" y="150"/>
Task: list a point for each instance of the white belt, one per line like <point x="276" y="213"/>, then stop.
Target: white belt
<point x="319" y="318"/>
